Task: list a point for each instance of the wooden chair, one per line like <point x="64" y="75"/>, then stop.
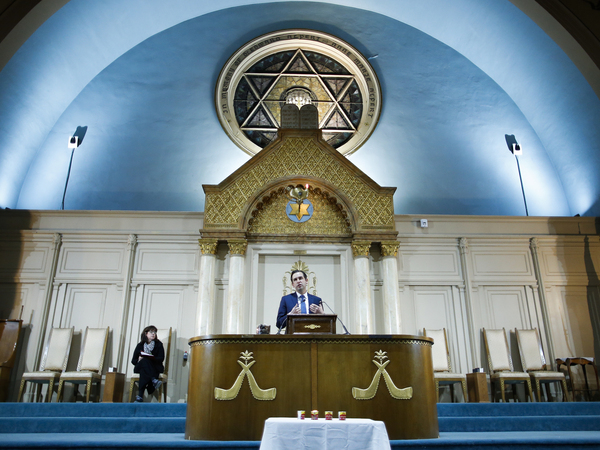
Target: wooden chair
<point x="10" y="331"/>
<point x="534" y="363"/>
<point x="442" y="367"/>
<point x="163" y="376"/>
<point x="91" y="360"/>
<point x="54" y="362"/>
<point x="500" y="363"/>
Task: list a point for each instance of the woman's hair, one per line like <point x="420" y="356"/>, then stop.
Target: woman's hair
<point x="148" y="328"/>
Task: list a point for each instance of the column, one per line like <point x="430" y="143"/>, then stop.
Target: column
<point x="391" y="295"/>
<point x="550" y="356"/>
<point x="362" y="287"/>
<point x="131" y="244"/>
<point x="235" y="289"/>
<point x="464" y="251"/>
<point x="206" y="287"/>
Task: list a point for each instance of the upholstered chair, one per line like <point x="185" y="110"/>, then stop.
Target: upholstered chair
<point x="54" y="362"/>
<point x="534" y="363"/>
<point x="165" y="337"/>
<point x="500" y="363"/>
<point x="442" y="367"/>
<point x="91" y="360"/>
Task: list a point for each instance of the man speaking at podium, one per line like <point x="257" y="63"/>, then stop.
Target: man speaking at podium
<point x="299" y="302"/>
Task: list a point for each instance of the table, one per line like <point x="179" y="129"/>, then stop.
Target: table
<point x="477" y="387"/>
<point x="349" y="434"/>
<point x="237" y="382"/>
<point x="113" y="387"/>
<point x="583" y="362"/>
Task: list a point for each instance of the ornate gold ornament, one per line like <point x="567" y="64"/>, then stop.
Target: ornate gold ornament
<point x="395" y="392"/>
<point x="360" y="248"/>
<point x="299" y="265"/>
<point x="257" y="392"/>
<point x="208" y="246"/>
<point x="312" y="326"/>
<point x="390" y="248"/>
<point x="237" y="246"/>
<point x="300" y="208"/>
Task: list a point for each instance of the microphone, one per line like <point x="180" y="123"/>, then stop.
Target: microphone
<point x="338" y="318"/>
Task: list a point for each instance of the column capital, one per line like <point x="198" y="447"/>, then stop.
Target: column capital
<point x="237" y="246"/>
<point x="463" y="244"/>
<point x="390" y="248"/>
<point x="131" y="241"/>
<point x="534" y="243"/>
<point x="56" y="239"/>
<point x="208" y="246"/>
<point x="360" y="248"/>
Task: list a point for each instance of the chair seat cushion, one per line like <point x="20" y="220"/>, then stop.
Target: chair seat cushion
<point x="547" y="374"/>
<point x="511" y="375"/>
<point x="449" y="376"/>
<point x="40" y="375"/>
<point x="81" y="375"/>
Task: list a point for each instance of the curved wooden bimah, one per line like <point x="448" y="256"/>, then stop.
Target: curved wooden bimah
<point x="238" y="381"/>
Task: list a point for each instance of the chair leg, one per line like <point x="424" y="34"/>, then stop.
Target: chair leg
<point x="60" y="391"/>
<point x="537" y="390"/>
<point x="131" y="386"/>
<point x="21" y="389"/>
<point x="530" y="391"/>
<point x="464" y="389"/>
<point x="502" y="390"/>
<point x="437" y="391"/>
<point x="164" y="388"/>
<point x="50" y="391"/>
<point x="88" y="390"/>
<point x="565" y="390"/>
<point x="38" y="389"/>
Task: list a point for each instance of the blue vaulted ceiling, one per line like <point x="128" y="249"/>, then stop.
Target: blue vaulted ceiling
<point x="456" y="78"/>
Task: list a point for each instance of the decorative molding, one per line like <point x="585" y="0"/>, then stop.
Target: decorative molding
<point x="208" y="246"/>
<point x="360" y="248"/>
<point x="237" y="246"/>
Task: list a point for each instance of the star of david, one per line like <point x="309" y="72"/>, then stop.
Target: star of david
<point x="299" y="210"/>
<point x="264" y="87"/>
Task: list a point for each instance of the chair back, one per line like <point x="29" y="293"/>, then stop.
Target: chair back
<point x="164" y="335"/>
<point x="93" y="350"/>
<point x="56" y="353"/>
<point x="496" y="346"/>
<point x="530" y="350"/>
<point x="439" y="351"/>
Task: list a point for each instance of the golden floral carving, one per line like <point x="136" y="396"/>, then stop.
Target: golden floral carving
<point x="390" y="248"/>
<point x="237" y="246"/>
<point x="233" y="391"/>
<point x="368" y="393"/>
<point x="360" y="248"/>
<point x="208" y="246"/>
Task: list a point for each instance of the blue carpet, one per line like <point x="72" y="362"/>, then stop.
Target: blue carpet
<point x="129" y="426"/>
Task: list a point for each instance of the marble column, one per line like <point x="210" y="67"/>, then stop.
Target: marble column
<point x="362" y="288"/>
<point x="391" y="294"/>
<point x="234" y="311"/>
<point x="206" y="287"/>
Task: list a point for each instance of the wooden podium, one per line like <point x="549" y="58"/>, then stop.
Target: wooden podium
<point x="311" y="324"/>
<point x="238" y="381"/>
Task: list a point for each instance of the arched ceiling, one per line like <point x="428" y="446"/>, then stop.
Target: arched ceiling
<point x="456" y="78"/>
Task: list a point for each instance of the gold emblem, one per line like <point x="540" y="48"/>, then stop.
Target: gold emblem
<point x="257" y="392"/>
<point x="299" y="210"/>
<point x="395" y="392"/>
<point x="312" y="326"/>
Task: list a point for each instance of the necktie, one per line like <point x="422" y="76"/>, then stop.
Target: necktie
<point x="302" y="305"/>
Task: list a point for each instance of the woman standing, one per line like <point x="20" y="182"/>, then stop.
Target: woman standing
<point x="148" y="358"/>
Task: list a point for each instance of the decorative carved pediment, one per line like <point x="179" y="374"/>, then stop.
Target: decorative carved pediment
<point x="251" y="202"/>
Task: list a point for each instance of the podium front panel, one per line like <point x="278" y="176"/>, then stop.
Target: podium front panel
<point x="238" y="381"/>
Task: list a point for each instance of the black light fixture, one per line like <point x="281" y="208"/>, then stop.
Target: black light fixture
<point x="515" y="149"/>
<point x="74" y="142"/>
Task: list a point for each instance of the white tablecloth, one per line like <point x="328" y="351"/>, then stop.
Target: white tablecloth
<point x="349" y="434"/>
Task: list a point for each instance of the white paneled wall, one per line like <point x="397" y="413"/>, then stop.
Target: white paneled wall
<point x="126" y="270"/>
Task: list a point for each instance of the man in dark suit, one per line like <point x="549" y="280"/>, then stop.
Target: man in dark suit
<point x="299" y="302"/>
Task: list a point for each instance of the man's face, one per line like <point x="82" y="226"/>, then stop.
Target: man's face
<point x="299" y="283"/>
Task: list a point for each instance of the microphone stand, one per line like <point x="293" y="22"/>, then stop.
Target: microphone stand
<point x="283" y="324"/>
<point x="338" y="318"/>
